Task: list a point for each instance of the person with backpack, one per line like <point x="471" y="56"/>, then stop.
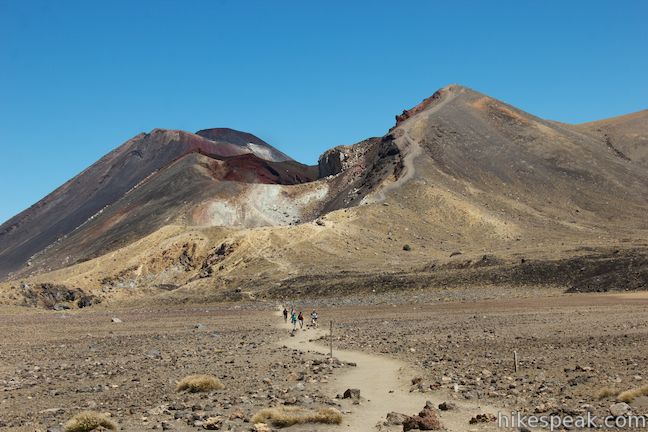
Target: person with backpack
<point x="301" y="319"/>
<point x="285" y="314"/>
<point x="314" y="318"/>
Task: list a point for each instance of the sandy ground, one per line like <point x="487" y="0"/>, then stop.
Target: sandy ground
<point x="53" y="364"/>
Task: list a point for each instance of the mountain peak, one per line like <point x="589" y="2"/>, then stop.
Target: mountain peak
<point x="231" y="136"/>
<point x="437" y="97"/>
<point x="251" y="143"/>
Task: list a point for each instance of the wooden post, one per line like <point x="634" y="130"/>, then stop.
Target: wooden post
<point x="515" y="360"/>
<point x="331" y="338"/>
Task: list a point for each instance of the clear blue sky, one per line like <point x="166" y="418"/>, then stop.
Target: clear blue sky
<point x="78" y="78"/>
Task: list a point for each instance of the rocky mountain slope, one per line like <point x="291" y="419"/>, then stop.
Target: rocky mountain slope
<point x="626" y="136"/>
<point x="150" y="181"/>
<point x="464" y="189"/>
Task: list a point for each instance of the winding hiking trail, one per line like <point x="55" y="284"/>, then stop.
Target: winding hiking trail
<point x="384" y="387"/>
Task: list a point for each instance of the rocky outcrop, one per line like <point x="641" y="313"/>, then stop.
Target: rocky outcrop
<point x="55" y="297"/>
<point x="339" y="159"/>
<point x="427" y="419"/>
<point x="359" y="170"/>
<point x="425" y="104"/>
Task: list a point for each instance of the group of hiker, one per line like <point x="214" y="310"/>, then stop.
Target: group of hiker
<point x="298" y="317"/>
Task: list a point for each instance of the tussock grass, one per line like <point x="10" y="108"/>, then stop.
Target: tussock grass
<point x="606" y="392"/>
<point x="288" y="416"/>
<point x="199" y="383"/>
<point x="632" y="394"/>
<point x="87" y="421"/>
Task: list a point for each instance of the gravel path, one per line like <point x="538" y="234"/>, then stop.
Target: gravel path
<point x="384" y="386"/>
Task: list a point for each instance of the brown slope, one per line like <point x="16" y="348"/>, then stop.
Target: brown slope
<point x="163" y="199"/>
<point x="626" y="135"/>
<point x="489" y="151"/>
<point x="488" y="194"/>
<point x="113" y="176"/>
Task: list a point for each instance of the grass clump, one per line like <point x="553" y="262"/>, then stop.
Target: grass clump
<point x="87" y="421"/>
<point x="630" y="395"/>
<point x="606" y="392"/>
<point x="199" y="384"/>
<point x="287" y="416"/>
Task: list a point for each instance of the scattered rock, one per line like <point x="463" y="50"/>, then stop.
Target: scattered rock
<point x="87" y="301"/>
<point x="483" y="418"/>
<point x="238" y="413"/>
<point x="394" y="418"/>
<point x="116" y="320"/>
<point x="447" y="406"/>
<point x="262" y="427"/>
<point x="427" y="419"/>
<point x="212" y="423"/>
<point x="351" y="394"/>
<point x="407" y="247"/>
<point x="620" y="409"/>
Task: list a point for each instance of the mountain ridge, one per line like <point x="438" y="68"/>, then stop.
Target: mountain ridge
<point x="464" y="171"/>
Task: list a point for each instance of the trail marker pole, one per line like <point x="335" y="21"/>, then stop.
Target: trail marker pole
<point x="515" y="361"/>
<point x="331" y="338"/>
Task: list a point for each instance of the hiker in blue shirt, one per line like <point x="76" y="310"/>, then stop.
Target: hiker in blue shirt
<point x="293" y="320"/>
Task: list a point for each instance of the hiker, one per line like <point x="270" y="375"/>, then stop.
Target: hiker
<point x="314" y="318"/>
<point x="293" y="320"/>
<point x="301" y="319"/>
<point x="285" y="314"/>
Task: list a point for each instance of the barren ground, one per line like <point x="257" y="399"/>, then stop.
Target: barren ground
<point x="53" y="364"/>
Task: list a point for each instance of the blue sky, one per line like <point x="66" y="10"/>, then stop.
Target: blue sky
<point x="78" y="78"/>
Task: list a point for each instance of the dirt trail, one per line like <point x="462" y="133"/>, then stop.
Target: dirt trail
<point x="411" y="150"/>
<point x="384" y="387"/>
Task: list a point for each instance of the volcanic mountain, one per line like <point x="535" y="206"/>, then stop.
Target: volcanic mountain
<point x="463" y="190"/>
<point x="151" y="180"/>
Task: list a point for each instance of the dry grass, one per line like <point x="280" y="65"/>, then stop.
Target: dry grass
<point x="199" y="383"/>
<point x="606" y="392"/>
<point x="630" y="395"/>
<point x="288" y="416"/>
<point x="87" y="421"/>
